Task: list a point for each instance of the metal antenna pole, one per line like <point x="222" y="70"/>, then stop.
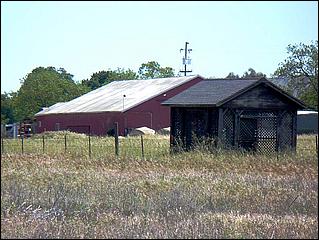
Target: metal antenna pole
<point x="185" y="59"/>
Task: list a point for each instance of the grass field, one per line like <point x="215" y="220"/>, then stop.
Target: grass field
<point x="224" y="194"/>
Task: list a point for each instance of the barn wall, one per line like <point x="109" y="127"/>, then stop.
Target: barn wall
<point x="97" y="123"/>
<point x="151" y="113"/>
<point x="307" y="123"/>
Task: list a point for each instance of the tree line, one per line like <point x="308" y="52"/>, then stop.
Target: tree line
<point x="45" y="86"/>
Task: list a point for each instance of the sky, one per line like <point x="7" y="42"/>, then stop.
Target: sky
<point x="87" y="37"/>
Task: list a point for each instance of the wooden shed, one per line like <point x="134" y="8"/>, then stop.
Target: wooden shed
<point x="251" y="114"/>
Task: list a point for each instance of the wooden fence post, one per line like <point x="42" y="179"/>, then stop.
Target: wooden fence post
<point x="116" y="136"/>
<point x="43" y="143"/>
<point x="89" y="145"/>
<point x="22" y="137"/>
<point x="64" y="143"/>
<point x="142" y="145"/>
<point x="2" y="145"/>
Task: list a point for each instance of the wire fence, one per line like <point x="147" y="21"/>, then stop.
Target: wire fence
<point x="91" y="146"/>
<point x="145" y="147"/>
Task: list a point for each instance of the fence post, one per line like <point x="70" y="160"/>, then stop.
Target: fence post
<point x="89" y="145"/>
<point x="2" y="145"/>
<point x="64" y="143"/>
<point x="116" y="136"/>
<point x="317" y="143"/>
<point x="142" y="145"/>
<point x="43" y="143"/>
<point x="22" y="137"/>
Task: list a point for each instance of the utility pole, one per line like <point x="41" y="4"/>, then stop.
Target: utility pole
<point x="185" y="59"/>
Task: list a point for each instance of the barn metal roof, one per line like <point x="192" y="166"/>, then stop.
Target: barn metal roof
<point x="215" y="92"/>
<point x="306" y="112"/>
<point x="109" y="98"/>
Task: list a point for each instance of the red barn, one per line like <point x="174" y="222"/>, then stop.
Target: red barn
<point x="131" y="103"/>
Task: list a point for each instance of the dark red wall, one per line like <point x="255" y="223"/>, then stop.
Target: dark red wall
<point x="96" y="123"/>
<point x="150" y="114"/>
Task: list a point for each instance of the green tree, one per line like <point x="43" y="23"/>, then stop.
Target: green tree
<point x="7" y="111"/>
<point x="153" y="69"/>
<point x="301" y="69"/>
<point x="44" y="87"/>
<point x="232" y="75"/>
<point x="251" y="73"/>
<point x="101" y="78"/>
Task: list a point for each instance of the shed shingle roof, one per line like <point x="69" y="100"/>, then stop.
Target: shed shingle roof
<point x="210" y="92"/>
<point x="215" y="92"/>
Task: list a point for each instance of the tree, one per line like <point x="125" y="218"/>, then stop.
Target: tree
<point x="44" y="87"/>
<point x="301" y="69"/>
<point x="153" y="69"/>
<point x="251" y="73"/>
<point x="101" y="78"/>
<point x="232" y="75"/>
<point x="7" y="111"/>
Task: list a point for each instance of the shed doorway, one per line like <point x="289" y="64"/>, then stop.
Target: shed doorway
<point x="258" y="131"/>
<point x="196" y="126"/>
<point x="248" y="134"/>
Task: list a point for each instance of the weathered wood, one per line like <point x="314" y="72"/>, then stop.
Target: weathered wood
<point x="142" y="146"/>
<point x="173" y="127"/>
<point x="273" y="129"/>
<point x="278" y="131"/>
<point x="236" y="128"/>
<point x="116" y="138"/>
<point x="220" y="127"/>
<point x="43" y="143"/>
<point x="2" y="145"/>
<point x="22" y="139"/>
<point x="260" y="97"/>
<point x="65" y="148"/>
<point x="89" y="145"/>
<point x="294" y="131"/>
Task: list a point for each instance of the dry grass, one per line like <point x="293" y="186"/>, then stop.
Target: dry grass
<point x="189" y="195"/>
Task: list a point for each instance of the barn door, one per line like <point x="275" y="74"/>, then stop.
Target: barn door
<point x="248" y="133"/>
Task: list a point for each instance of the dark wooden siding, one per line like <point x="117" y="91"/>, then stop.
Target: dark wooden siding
<point x="259" y="97"/>
<point x="189" y="125"/>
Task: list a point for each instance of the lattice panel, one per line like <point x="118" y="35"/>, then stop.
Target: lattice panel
<point x="266" y="146"/>
<point x="286" y="134"/>
<point x="258" y="131"/>
<point x="228" y="129"/>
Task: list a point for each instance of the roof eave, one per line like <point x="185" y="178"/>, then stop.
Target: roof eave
<point x="69" y="113"/>
<point x="188" y="105"/>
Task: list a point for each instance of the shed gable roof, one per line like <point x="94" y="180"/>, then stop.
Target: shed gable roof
<point x="109" y="98"/>
<point x="216" y="92"/>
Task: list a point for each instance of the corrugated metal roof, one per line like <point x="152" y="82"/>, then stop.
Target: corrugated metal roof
<point x="109" y="98"/>
<point x="304" y="112"/>
<point x="210" y="92"/>
<point x="45" y="109"/>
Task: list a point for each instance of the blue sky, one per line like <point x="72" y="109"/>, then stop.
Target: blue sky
<point x="86" y="37"/>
